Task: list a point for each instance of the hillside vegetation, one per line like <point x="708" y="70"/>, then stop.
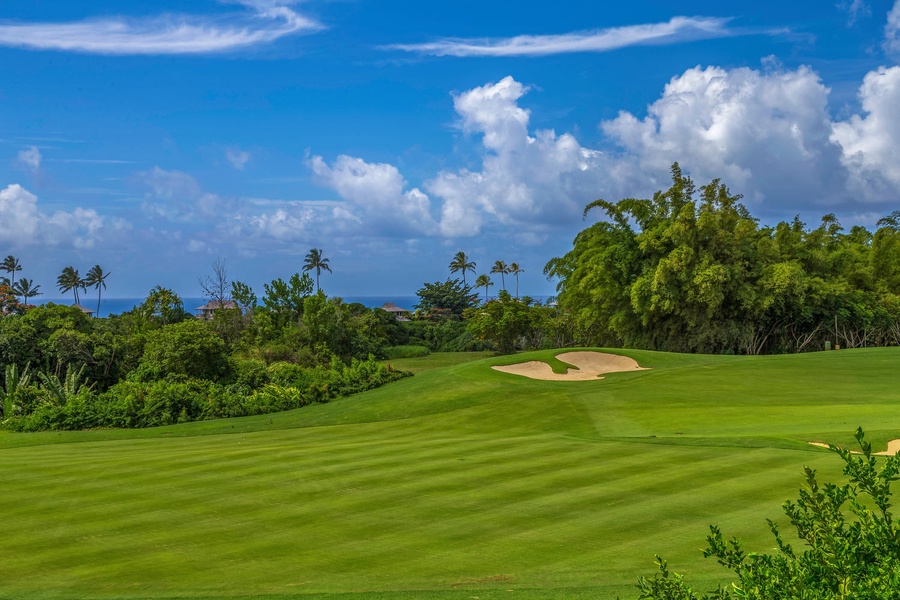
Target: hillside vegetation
<point x="459" y="482"/>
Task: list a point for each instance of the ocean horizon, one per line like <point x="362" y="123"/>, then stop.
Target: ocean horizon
<point x="117" y="306"/>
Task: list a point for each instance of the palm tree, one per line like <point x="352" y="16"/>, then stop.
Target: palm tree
<point x="515" y="269"/>
<point x="484" y="280"/>
<point x="315" y="260"/>
<point x="11" y="264"/>
<point x="96" y="278"/>
<point x="26" y="289"/>
<point x="70" y="280"/>
<point x="462" y="263"/>
<point x="500" y="267"/>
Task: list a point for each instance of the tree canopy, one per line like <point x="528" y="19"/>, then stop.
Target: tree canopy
<point x="691" y="270"/>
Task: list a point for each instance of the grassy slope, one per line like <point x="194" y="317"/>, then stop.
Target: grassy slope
<point x="459" y="480"/>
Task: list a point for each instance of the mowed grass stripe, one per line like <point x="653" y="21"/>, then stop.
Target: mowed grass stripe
<point x="458" y="477"/>
<point x="503" y="499"/>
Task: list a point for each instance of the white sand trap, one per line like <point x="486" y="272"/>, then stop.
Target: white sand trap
<point x="893" y="448"/>
<point x="591" y="365"/>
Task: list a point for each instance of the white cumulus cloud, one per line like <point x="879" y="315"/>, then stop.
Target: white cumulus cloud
<point x="767" y="135"/>
<point x="871" y="143"/>
<point x="377" y="192"/>
<point x="540" y="178"/>
<point x="891" y="43"/>
<point x="25" y="224"/>
<point x="264" y="22"/>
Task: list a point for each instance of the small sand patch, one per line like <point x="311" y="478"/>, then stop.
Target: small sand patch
<point x="892" y="450"/>
<point x="590" y="366"/>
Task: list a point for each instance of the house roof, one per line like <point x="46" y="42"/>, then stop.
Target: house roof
<point x="214" y="304"/>
<point x="391" y="307"/>
<point x="86" y="311"/>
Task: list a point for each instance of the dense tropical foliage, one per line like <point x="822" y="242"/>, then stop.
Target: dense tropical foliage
<point x="157" y="364"/>
<point x="690" y="270"/>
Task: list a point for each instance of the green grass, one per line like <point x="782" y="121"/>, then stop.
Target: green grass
<point x="460" y="482"/>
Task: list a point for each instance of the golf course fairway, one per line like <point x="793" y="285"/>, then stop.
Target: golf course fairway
<point x="460" y="482"/>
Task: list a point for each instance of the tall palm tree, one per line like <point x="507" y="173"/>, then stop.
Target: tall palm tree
<point x="515" y="269"/>
<point x="484" y="280"/>
<point x="315" y="260"/>
<point x="70" y="280"/>
<point x="96" y="278"/>
<point x="503" y="269"/>
<point x="462" y="263"/>
<point x="11" y="264"/>
<point x="26" y="289"/>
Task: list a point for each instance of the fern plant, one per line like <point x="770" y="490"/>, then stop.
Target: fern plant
<point x="14" y="381"/>
<point x="59" y="392"/>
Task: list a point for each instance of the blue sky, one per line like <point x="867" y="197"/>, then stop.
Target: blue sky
<point x="154" y="137"/>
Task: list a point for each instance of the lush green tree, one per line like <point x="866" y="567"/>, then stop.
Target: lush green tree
<point x="315" y="260"/>
<point x="691" y="270"/>
<point x="284" y="300"/>
<point x="188" y="349"/>
<point x="163" y="306"/>
<point x="485" y="282"/>
<point x="461" y="263"/>
<point x="70" y="281"/>
<point x="96" y="279"/>
<point x="26" y="288"/>
<point x="445" y="298"/>
<point x="515" y="269"/>
<point x="326" y="327"/>
<point x="243" y="295"/>
<point x="502" y="268"/>
<point x="503" y="323"/>
<point x="850" y="538"/>
<point x="11" y="265"/>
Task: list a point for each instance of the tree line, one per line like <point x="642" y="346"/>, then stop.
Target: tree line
<point x="158" y="364"/>
<point x="691" y="270"/>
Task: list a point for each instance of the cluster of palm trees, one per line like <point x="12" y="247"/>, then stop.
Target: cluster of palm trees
<point x="24" y="287"/>
<point x="71" y="281"/>
<point x="68" y="281"/>
<point x="461" y="263"/>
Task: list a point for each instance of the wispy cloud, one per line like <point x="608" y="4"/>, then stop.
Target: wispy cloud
<point x="238" y="158"/>
<point x="30" y="158"/>
<point x="94" y="161"/>
<point x="676" y="30"/>
<point x="263" y="22"/>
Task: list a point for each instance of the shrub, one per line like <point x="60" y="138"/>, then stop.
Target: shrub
<point x="846" y="556"/>
<point x="188" y="349"/>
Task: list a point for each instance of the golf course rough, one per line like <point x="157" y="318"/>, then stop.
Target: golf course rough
<point x="588" y="366"/>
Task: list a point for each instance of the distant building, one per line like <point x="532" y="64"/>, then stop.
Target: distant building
<point x="400" y="314"/>
<point x="86" y="311"/>
<point x="206" y="311"/>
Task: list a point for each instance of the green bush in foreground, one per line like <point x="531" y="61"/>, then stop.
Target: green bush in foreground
<point x="855" y="555"/>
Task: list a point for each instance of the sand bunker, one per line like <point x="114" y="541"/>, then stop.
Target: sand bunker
<point x="590" y="366"/>
<point x="893" y="448"/>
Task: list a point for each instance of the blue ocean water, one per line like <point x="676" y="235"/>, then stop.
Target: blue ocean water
<point x="116" y="306"/>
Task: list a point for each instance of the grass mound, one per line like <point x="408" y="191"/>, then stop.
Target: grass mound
<point x="458" y="482"/>
<point x="407" y="352"/>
